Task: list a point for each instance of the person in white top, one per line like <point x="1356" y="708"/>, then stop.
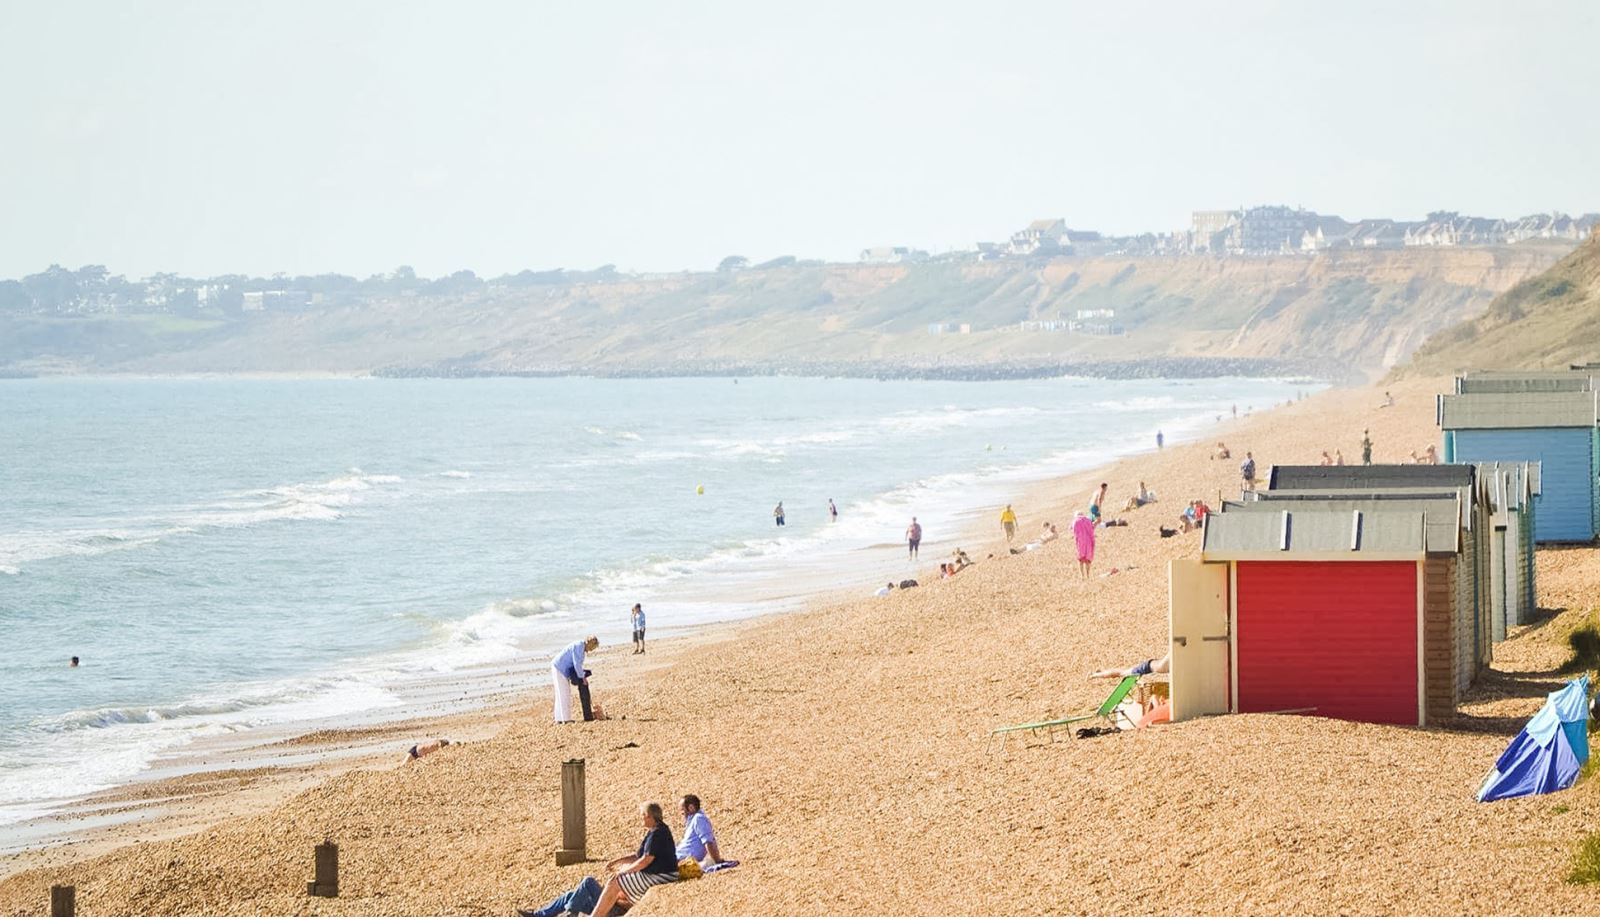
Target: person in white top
<point x="699" y="841"/>
<point x="567" y="671"/>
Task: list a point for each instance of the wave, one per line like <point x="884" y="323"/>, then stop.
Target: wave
<point x="322" y="501"/>
<point x="455" y="474"/>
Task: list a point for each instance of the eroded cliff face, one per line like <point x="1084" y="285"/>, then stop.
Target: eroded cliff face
<point x="1547" y="321"/>
<point x="1356" y="313"/>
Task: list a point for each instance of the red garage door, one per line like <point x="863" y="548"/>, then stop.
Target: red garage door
<point x="1337" y="636"/>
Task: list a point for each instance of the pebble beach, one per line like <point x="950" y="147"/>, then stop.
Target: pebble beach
<point x="843" y="754"/>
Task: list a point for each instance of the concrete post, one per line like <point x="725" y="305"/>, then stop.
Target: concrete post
<point x="574" y="820"/>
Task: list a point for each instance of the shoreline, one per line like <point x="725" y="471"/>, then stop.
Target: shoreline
<point x="178" y="778"/>
<point x="848" y="728"/>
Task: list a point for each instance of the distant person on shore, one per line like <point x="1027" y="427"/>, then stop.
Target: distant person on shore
<point x="636" y="618"/>
<point x="1161" y="441"/>
<point x="74" y="663"/>
<point x="1247" y="471"/>
<point x="1236" y="412"/>
<point x="777" y="513"/>
<point x="1430" y="456"/>
<point x="1189" y="518"/>
<point x="1338" y="458"/>
<point x="1366" y="447"/>
<point x="959" y="559"/>
<point x="1083" y="534"/>
<point x="833" y="511"/>
<point x="1008" y="521"/>
<point x="1326" y="458"/>
<point x="884" y="590"/>
<point x="1388" y="401"/>
<point x="1049" y="534"/>
<point x="1222" y="451"/>
<point x="424" y="749"/>
<point x="1097" y="500"/>
<point x="1148" y="667"/>
<point x="566" y="672"/>
<point x="913" y="538"/>
<point x="1143" y="497"/>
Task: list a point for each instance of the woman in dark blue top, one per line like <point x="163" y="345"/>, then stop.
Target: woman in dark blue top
<point x="656" y="863"/>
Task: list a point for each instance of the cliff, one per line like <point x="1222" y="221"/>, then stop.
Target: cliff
<point x="1349" y="314"/>
<point x="1547" y="321"/>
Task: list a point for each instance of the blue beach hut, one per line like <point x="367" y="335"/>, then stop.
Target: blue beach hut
<point x="1558" y="429"/>
<point x="1548" y="753"/>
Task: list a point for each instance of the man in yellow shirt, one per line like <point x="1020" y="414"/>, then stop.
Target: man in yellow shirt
<point x="1008" y="519"/>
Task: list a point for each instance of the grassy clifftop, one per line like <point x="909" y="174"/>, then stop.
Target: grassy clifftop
<point x="1356" y="312"/>
<point x="1549" y="320"/>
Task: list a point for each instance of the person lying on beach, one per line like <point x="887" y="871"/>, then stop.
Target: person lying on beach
<point x="1149" y="666"/>
<point x="1049" y="534"/>
<point x="425" y="748"/>
<point x="656" y="863"/>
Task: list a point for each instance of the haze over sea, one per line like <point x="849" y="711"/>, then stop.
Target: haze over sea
<point x="231" y="554"/>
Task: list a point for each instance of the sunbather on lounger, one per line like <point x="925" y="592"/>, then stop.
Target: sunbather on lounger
<point x="1156" y="666"/>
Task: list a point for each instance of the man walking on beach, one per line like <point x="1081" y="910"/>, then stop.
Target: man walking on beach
<point x="1008" y="521"/>
<point x="777" y="513"/>
<point x="566" y="671"/>
<point x="1366" y="447"/>
<point x="1097" y="501"/>
<point x="913" y="538"/>
<point x="1161" y="441"/>
<point x="636" y="618"/>
<point x="1247" y="471"/>
<point x="833" y="511"/>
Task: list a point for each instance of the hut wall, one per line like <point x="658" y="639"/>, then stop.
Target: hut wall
<point x="1566" y="506"/>
<point x="1446" y="657"/>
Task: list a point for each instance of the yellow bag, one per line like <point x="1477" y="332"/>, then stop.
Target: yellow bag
<point x="689" y="869"/>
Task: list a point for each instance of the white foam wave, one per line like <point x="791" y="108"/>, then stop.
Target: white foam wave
<point x="322" y="502"/>
<point x="455" y="474"/>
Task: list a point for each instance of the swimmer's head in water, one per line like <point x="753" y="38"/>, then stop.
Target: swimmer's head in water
<point x="74" y="663"/>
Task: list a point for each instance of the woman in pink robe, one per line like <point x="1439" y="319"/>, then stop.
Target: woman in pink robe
<point x="1083" y="534"/>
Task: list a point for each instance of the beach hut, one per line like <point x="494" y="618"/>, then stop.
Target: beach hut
<point x="1512" y="488"/>
<point x="1474" y="573"/>
<point x="1557" y="429"/>
<point x="1457" y="651"/>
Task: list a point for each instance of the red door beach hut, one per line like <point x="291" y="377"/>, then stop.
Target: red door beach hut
<point x="1326" y="611"/>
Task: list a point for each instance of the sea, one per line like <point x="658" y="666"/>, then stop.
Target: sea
<point x="235" y="555"/>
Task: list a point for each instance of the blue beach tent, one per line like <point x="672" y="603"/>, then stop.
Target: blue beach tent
<point x="1546" y="755"/>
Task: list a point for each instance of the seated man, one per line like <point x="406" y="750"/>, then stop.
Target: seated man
<point x="699" y="841"/>
<point x="1049" y="534"/>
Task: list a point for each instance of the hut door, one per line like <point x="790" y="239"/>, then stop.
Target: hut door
<point x="1198" y="603"/>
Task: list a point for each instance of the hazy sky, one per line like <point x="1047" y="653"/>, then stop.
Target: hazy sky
<point x="213" y="137"/>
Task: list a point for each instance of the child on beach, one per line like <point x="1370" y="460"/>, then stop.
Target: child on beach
<point x="636" y="617"/>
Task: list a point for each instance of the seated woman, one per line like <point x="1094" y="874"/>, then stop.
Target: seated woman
<point x="1187" y="518"/>
<point x="656" y="863"/>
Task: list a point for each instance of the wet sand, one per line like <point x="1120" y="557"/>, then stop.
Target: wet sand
<point x="842" y="753"/>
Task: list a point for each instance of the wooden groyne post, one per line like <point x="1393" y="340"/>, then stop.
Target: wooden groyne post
<point x="63" y="901"/>
<point x="326" y="884"/>
<point x="574" y="820"/>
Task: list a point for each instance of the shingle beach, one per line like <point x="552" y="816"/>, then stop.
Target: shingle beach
<point x="842" y="753"/>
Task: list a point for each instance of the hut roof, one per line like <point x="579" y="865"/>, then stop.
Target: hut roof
<point x="1368" y="477"/>
<point x="1444" y="514"/>
<point x="1520" y="410"/>
<point x="1522" y="381"/>
<point x="1314" y="534"/>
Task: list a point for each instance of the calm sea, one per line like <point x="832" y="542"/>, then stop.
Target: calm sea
<point x="226" y="555"/>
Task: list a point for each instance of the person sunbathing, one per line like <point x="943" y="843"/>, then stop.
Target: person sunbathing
<point x="425" y="748"/>
<point x="1149" y="666"/>
<point x="1049" y="534"/>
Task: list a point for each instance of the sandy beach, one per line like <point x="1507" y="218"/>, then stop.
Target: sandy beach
<point x="842" y="753"/>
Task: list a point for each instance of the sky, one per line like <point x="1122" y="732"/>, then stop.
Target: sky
<point x="354" y="137"/>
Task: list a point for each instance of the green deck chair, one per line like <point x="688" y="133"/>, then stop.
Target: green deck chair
<point x="1107" y="712"/>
